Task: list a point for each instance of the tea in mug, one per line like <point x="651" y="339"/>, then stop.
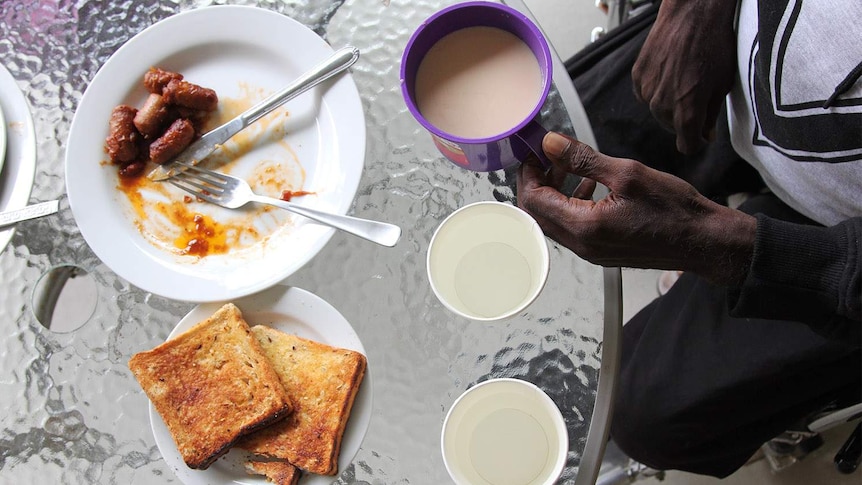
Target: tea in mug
<point x="478" y="82"/>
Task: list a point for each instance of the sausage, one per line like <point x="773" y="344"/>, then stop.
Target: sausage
<point x="177" y="137"/>
<point x="123" y="138"/>
<point x="189" y="95"/>
<point x="156" y="79"/>
<point x="132" y="169"/>
<point x="154" y="115"/>
<point x="198" y="118"/>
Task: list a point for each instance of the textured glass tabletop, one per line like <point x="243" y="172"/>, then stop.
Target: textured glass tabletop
<point x="73" y="411"/>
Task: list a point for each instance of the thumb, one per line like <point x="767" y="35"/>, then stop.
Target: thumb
<point x="577" y="158"/>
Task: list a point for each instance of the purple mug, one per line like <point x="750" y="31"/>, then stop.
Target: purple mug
<point x="512" y="145"/>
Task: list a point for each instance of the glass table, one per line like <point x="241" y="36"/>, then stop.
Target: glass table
<point x="74" y="412"/>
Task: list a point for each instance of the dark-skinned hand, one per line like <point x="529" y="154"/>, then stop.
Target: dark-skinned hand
<point x="687" y="66"/>
<point x="649" y="219"/>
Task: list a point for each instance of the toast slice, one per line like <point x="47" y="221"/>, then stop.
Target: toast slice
<point x="277" y="472"/>
<point x="211" y="385"/>
<point x="322" y="382"/>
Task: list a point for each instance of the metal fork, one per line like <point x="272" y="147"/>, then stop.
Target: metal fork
<point x="231" y="192"/>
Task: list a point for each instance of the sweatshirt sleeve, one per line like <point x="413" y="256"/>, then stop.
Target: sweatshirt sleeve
<point x="803" y="273"/>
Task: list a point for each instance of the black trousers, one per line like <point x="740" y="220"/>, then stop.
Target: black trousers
<point x="700" y="390"/>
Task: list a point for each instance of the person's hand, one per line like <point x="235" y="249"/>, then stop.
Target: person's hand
<point x="687" y="66"/>
<point x="649" y="219"/>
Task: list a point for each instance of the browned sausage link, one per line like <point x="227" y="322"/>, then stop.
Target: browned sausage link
<point x="153" y="116"/>
<point x="123" y="138"/>
<point x="175" y="140"/>
<point x="197" y="117"/>
<point x="133" y="169"/>
<point x="156" y="79"/>
<point x="184" y="93"/>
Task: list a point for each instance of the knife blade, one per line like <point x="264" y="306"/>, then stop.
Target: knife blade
<point x="30" y="212"/>
<point x="197" y="151"/>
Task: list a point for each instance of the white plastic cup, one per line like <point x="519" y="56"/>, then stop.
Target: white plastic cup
<point x="488" y="261"/>
<point x="504" y="432"/>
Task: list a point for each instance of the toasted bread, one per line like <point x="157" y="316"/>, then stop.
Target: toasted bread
<point x="211" y="385"/>
<point x="322" y="382"/>
<point x="277" y="472"/>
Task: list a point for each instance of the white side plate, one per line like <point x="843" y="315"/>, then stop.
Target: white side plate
<point x="290" y="310"/>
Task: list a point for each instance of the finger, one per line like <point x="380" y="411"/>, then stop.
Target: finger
<point x="690" y="141"/>
<point x="662" y="114"/>
<point x="581" y="159"/>
<point x="573" y="238"/>
<point x="549" y="207"/>
<point x="689" y="125"/>
<point x="547" y="225"/>
<point x="557" y="177"/>
<point x="556" y="232"/>
<point x="641" y="79"/>
<point x="638" y="88"/>
<point x="636" y="92"/>
<point x="711" y="119"/>
<point x="535" y="201"/>
<point x="585" y="189"/>
<point x="530" y="182"/>
<point x="529" y="177"/>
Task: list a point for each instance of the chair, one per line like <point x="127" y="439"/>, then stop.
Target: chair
<point x="793" y="445"/>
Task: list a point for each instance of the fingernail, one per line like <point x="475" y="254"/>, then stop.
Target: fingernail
<point x="554" y="144"/>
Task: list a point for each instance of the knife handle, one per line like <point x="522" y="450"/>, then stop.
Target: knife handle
<point x="339" y="61"/>
<point x="29" y="212"/>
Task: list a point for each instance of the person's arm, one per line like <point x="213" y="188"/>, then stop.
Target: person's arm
<point x="687" y="66"/>
<point x="650" y="219"/>
<point x="803" y="273"/>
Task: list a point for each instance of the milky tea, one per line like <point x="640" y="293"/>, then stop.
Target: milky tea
<point x="478" y="82"/>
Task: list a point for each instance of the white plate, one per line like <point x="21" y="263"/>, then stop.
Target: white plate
<point x="227" y="48"/>
<point x="2" y="138"/>
<point x="16" y="176"/>
<point x="294" y="311"/>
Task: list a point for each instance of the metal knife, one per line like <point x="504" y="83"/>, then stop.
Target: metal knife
<point x="197" y="151"/>
<point x="30" y="212"/>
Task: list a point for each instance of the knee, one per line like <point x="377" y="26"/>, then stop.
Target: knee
<point x="638" y="428"/>
<point x="651" y="430"/>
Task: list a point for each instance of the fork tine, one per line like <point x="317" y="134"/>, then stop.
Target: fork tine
<point x="188" y="179"/>
<point x="204" y="174"/>
<point x="188" y="186"/>
<point x="190" y="176"/>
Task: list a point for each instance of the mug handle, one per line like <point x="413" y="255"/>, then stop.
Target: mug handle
<point x="532" y="135"/>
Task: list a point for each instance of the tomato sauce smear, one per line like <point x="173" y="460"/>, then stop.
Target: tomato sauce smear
<point x="202" y="236"/>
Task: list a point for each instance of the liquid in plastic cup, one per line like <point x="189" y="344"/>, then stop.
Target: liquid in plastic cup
<point x="504" y="432"/>
<point x="488" y="261"/>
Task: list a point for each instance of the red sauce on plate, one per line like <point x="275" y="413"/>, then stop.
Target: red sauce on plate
<point x="286" y="195"/>
<point x="201" y="236"/>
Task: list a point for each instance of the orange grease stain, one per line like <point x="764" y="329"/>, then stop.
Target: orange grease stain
<point x="200" y="236"/>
